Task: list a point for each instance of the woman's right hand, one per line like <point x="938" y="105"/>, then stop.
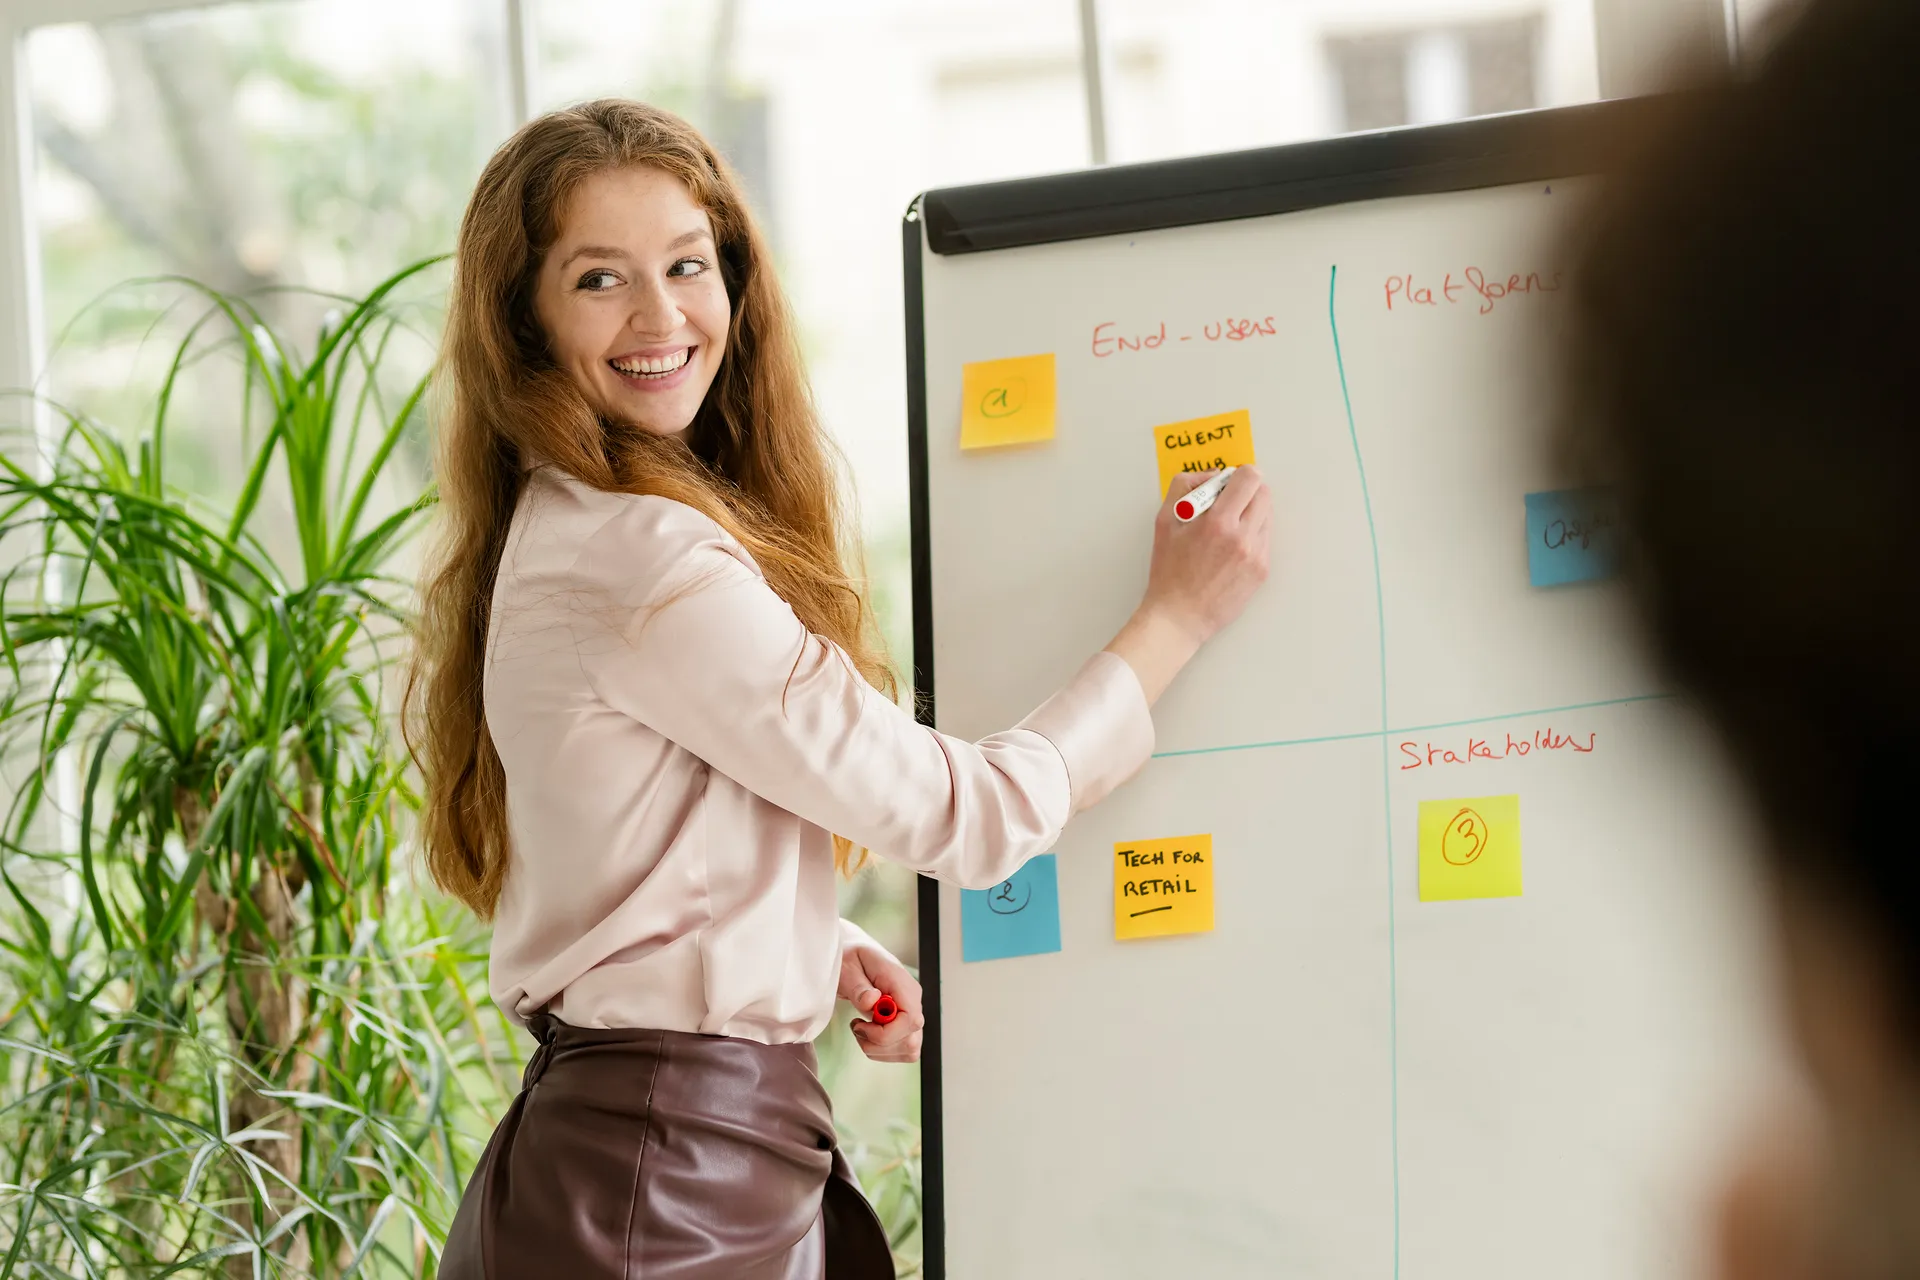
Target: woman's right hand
<point x="1206" y="569"/>
<point x="1202" y="574"/>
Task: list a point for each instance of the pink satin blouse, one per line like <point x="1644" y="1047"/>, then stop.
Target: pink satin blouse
<point x="678" y="749"/>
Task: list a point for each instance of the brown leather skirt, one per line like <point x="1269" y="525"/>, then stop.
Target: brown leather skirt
<point x="661" y="1155"/>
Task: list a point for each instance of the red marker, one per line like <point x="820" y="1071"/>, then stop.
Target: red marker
<point x="885" y="1009"/>
<point x="1201" y="496"/>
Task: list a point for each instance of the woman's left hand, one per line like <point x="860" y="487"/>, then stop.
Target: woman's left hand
<point x="867" y="970"/>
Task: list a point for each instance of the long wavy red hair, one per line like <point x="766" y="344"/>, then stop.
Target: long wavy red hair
<point x="756" y="459"/>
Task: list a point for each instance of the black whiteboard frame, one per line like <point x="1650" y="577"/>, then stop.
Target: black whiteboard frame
<point x="1527" y="146"/>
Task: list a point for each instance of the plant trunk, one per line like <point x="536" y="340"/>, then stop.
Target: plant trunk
<point x="208" y="905"/>
<point x="262" y="1002"/>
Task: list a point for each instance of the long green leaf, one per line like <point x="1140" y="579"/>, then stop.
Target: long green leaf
<point x="89" y="875"/>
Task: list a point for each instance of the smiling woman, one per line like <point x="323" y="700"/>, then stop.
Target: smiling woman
<point x="652" y="720"/>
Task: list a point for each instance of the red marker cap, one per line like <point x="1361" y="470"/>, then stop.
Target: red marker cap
<point x="1201" y="496"/>
<point x="885" y="1009"/>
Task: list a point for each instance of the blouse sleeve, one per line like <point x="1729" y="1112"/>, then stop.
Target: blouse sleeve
<point x="681" y="633"/>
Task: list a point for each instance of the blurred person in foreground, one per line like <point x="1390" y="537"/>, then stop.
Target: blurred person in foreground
<point x="1745" y="364"/>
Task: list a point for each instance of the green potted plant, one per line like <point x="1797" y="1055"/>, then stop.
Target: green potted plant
<point x="233" y="1034"/>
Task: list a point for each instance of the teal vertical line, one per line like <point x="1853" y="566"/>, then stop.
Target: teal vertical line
<point x="1386" y="771"/>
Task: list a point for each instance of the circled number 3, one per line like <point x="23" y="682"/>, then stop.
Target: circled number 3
<point x="1465" y="838"/>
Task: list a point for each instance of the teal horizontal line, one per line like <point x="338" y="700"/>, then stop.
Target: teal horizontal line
<point x="1414" y="728"/>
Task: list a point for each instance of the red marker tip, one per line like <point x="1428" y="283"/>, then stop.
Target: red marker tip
<point x="1183" y="509"/>
<point x="885" y="1009"/>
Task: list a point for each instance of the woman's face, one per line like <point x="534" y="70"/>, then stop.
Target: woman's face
<point x="631" y="300"/>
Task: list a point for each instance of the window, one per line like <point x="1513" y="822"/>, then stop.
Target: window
<point x="1212" y="75"/>
<point x="1434" y="74"/>
<point x="320" y="144"/>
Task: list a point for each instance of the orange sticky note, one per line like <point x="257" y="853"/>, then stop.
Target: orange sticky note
<point x="1162" y="887"/>
<point x="1470" y="848"/>
<point x="1203" y="444"/>
<point x="1006" y="401"/>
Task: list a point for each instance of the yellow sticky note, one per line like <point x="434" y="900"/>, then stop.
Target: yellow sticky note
<point x="1470" y="848"/>
<point x="1162" y="887"/>
<point x="1006" y="401"/>
<point x="1203" y="444"/>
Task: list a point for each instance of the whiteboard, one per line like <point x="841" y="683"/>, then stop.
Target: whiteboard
<point x="1340" y="1080"/>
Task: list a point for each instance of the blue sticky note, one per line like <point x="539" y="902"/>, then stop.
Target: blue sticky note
<point x="1020" y="916"/>
<point x="1572" y="536"/>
